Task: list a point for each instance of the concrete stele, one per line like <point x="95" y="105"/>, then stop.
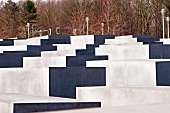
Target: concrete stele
<point x="122" y="37"/>
<point x="13" y="48"/>
<point x="120" y="52"/>
<point x="128" y="72"/>
<point x="58" y="53"/>
<point x="121" y="41"/>
<point x="31" y="81"/>
<point x="30" y="41"/>
<point x="44" y="62"/>
<point x="165" y="41"/>
<point x="124" y="96"/>
<point x="9" y="103"/>
<point x="79" y="42"/>
<point x="152" y="108"/>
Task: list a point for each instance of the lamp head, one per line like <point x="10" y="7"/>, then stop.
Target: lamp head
<point x="163" y="11"/>
<point x="87" y="19"/>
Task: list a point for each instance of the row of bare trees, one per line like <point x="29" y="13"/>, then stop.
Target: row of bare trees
<point x="121" y="17"/>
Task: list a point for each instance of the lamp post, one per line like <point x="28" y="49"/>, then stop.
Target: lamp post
<point x="28" y="29"/>
<point x="163" y="24"/>
<point x="102" y="28"/>
<point x="167" y="19"/>
<point x="87" y="21"/>
<point x="74" y="31"/>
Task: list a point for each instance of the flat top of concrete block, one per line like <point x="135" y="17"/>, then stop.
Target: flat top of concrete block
<point x="123" y="45"/>
<point x="161" y="60"/>
<point x="19" y="98"/>
<point x="155" y="108"/>
<point x="156" y="88"/>
<point x="129" y="60"/>
<point x="101" y="63"/>
<point x="127" y="36"/>
<point x="61" y="44"/>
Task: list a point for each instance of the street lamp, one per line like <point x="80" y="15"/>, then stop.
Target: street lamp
<point x="87" y="21"/>
<point x="74" y="31"/>
<point x="163" y="24"/>
<point x="28" y="29"/>
<point x="167" y="19"/>
<point x="102" y="28"/>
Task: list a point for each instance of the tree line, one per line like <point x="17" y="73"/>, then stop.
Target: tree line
<point x="120" y="17"/>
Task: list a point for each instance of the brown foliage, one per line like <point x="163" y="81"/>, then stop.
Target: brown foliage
<point x="121" y="17"/>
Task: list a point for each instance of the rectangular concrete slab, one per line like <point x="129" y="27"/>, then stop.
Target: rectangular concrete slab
<point x="58" y="53"/>
<point x="122" y="37"/>
<point x="120" y="52"/>
<point x="128" y="72"/>
<point x="81" y="41"/>
<point x="65" y="47"/>
<point x="12" y="48"/>
<point x="63" y="81"/>
<point x="152" y="108"/>
<point x="123" y="96"/>
<point x="32" y="81"/>
<point x="44" y="62"/>
<point x="17" y="103"/>
<point x="165" y="41"/>
<point x="121" y="41"/>
<point x="30" y="41"/>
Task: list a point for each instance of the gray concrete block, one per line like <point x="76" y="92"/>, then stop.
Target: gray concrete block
<point x="64" y="46"/>
<point x="153" y="108"/>
<point x="125" y="96"/>
<point x="128" y="72"/>
<point x="123" y="40"/>
<point x="81" y="41"/>
<point x="44" y="62"/>
<point x="30" y="41"/>
<point x="121" y="52"/>
<point x="17" y="103"/>
<point x="31" y="81"/>
<point x="12" y="48"/>
<point x="58" y="53"/>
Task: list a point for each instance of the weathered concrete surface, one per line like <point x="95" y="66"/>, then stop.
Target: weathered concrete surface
<point x="44" y="62"/>
<point x="64" y="80"/>
<point x="81" y="41"/>
<point x="12" y="48"/>
<point x="165" y="41"/>
<point x="31" y="81"/>
<point x="64" y="46"/>
<point x="155" y="108"/>
<point x="58" y="53"/>
<point x="20" y="98"/>
<point x="6" y="107"/>
<point x="123" y="96"/>
<point x="122" y="37"/>
<point x="128" y="72"/>
<point x="17" y="103"/>
<point x="77" y="42"/>
<point x="30" y="41"/>
<point x="123" y="40"/>
<point x="120" y="52"/>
